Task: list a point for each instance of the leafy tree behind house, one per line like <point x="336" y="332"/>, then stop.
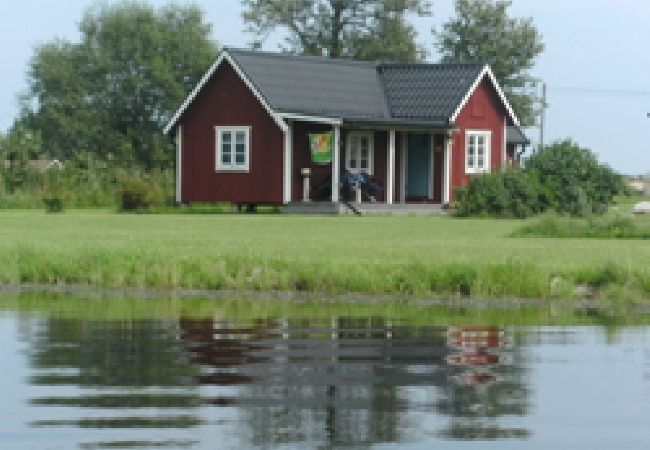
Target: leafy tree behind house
<point x="483" y="31"/>
<point x="362" y="29"/>
<point x="111" y="93"/>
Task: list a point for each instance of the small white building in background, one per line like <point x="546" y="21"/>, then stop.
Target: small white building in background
<point x="40" y="165"/>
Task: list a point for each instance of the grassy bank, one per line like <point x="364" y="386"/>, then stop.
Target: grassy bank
<point x="373" y="255"/>
<point x="245" y="311"/>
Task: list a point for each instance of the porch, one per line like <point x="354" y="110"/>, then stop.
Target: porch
<point x="402" y="170"/>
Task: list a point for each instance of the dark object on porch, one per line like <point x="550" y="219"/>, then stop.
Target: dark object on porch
<point x="369" y="187"/>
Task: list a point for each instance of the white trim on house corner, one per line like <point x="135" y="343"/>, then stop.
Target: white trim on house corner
<point x="179" y="164"/>
<point x="504" y="144"/>
<point x="487" y="156"/>
<point x="288" y="164"/>
<point x="371" y="152"/>
<point x="306" y="118"/>
<point x="224" y="56"/>
<point x="336" y="164"/>
<point x="219" y="166"/>
<point x="446" y="187"/>
<point x="486" y="71"/>
<point x="403" y="161"/>
<point x="432" y="164"/>
<point x="390" y="167"/>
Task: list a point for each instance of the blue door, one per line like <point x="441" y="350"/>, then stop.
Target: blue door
<point x="418" y="165"/>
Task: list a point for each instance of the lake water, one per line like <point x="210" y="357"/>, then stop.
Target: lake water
<point x="324" y="382"/>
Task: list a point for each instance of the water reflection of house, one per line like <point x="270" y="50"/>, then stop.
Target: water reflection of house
<point x="486" y="383"/>
<point x="338" y="381"/>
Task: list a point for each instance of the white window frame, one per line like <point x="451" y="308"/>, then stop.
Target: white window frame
<point x="232" y="167"/>
<point x="371" y="152"/>
<point x="487" y="136"/>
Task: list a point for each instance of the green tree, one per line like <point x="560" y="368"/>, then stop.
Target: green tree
<point x="482" y="31"/>
<point x="111" y="93"/>
<point x="367" y="29"/>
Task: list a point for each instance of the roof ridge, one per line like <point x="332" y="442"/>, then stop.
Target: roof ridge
<point x="316" y="59"/>
<point x="429" y="65"/>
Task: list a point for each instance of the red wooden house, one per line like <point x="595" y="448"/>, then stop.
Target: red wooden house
<point x="418" y="130"/>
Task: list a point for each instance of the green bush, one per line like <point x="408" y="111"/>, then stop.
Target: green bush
<point x="511" y="193"/>
<point x="139" y="193"/>
<point x="84" y="181"/>
<point x="573" y="180"/>
<point x="53" y="204"/>
<point x="561" y="177"/>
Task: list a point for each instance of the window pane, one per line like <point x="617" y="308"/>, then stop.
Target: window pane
<point x="364" y="143"/>
<point x="226" y="137"/>
<point x="240" y="153"/>
<point x="480" y="140"/>
<point x="225" y="154"/>
<point x="240" y="137"/>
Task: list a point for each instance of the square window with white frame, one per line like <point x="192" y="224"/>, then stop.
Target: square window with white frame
<point x="233" y="148"/>
<point x="477" y="151"/>
<point x="359" y="156"/>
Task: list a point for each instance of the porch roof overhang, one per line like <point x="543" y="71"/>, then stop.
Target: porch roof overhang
<point x="378" y="123"/>
<point x="399" y="124"/>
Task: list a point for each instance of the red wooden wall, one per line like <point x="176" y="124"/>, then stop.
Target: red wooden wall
<point x="483" y="111"/>
<point x="226" y="100"/>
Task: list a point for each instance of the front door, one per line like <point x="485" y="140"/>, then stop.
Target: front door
<point x="418" y="165"/>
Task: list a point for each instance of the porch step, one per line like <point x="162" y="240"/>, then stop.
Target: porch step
<point x="322" y="208"/>
<point x="329" y="208"/>
<point x="403" y="209"/>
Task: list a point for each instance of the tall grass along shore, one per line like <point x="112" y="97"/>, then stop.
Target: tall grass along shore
<point x="423" y="256"/>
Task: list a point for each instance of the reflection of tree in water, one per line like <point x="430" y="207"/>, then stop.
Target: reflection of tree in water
<point x="122" y="367"/>
<point x="343" y="381"/>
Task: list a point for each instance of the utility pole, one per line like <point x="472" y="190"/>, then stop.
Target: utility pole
<point x="542" y="118"/>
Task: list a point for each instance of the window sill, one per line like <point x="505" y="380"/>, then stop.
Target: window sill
<point x="476" y="171"/>
<point x="233" y="170"/>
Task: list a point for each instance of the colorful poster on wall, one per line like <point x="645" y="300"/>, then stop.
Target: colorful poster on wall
<point x="321" y="147"/>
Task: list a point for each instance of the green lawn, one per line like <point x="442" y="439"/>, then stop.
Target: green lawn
<point x="421" y="255"/>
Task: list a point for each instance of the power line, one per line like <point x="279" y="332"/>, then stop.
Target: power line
<point x="605" y="91"/>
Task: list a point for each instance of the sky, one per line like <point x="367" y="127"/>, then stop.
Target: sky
<point x="596" y="63"/>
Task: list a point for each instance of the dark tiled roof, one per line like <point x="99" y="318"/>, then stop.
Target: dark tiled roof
<point x="312" y="85"/>
<point x="358" y="90"/>
<point x="412" y="94"/>
<point x="427" y="91"/>
<point x="514" y="135"/>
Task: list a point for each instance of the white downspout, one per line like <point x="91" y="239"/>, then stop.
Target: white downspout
<point x="288" y="163"/>
<point x="446" y="198"/>
<point x="390" y="188"/>
<point x="179" y="163"/>
<point x="336" y="164"/>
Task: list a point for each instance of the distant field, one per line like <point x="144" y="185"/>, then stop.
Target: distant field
<point x="413" y="255"/>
